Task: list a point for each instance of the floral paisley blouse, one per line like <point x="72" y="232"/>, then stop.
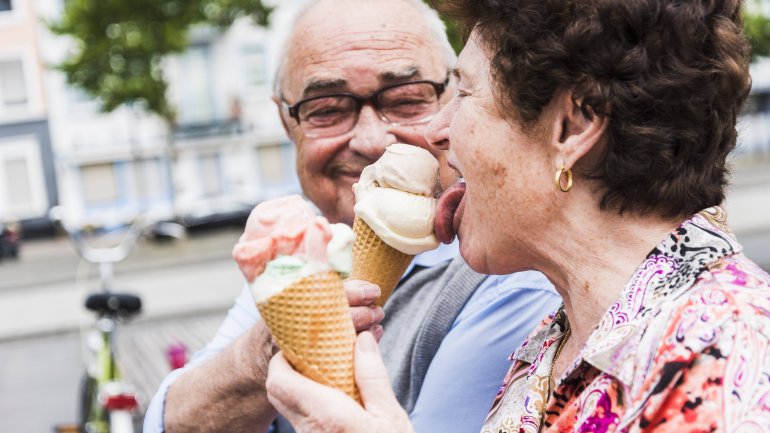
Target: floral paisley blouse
<point x="685" y="348"/>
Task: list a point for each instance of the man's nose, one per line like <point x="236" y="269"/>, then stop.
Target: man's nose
<point x="371" y="135"/>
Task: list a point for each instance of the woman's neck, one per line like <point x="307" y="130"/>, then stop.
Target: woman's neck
<point x="591" y="259"/>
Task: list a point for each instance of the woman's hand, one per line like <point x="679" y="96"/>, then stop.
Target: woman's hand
<point x="366" y="316"/>
<point x="311" y="407"/>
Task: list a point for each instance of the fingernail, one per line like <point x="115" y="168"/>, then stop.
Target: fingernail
<point x="378" y="332"/>
<point x="377" y="314"/>
<point x="366" y="342"/>
<point x="371" y="291"/>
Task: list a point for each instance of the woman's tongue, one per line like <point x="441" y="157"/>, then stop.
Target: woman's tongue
<point x="449" y="212"/>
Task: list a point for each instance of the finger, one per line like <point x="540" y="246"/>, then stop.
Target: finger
<point x="366" y="317"/>
<point x="377" y="331"/>
<point x="308" y="405"/>
<point x="361" y="293"/>
<point x="284" y="387"/>
<point x="372" y="378"/>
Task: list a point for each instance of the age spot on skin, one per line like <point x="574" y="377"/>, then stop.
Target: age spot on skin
<point x="499" y="173"/>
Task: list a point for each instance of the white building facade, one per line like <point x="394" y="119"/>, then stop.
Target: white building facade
<point x="27" y="181"/>
<point x="226" y="153"/>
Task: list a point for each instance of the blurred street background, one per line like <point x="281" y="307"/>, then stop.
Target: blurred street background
<point x="112" y="109"/>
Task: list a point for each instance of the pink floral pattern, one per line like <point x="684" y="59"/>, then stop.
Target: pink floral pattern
<point x="685" y="348"/>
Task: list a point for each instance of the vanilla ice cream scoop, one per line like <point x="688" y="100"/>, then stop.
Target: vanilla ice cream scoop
<point x="394" y="196"/>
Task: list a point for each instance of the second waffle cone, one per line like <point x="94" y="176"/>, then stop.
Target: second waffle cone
<point x="310" y="321"/>
<point x="377" y="262"/>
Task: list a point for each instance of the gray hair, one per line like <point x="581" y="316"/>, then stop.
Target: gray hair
<point x="433" y="21"/>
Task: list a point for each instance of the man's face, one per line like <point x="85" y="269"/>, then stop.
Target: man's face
<point x="353" y="47"/>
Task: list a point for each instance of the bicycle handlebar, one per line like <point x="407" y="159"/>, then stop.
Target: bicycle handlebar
<point x="114" y="254"/>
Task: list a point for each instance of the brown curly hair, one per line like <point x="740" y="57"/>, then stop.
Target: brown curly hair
<point x="670" y="75"/>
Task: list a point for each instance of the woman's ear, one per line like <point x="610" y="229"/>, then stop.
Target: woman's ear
<point x="573" y="133"/>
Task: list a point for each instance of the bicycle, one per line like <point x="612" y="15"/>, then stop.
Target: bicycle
<point x="107" y="401"/>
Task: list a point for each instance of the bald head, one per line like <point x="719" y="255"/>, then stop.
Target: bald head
<point x="319" y="17"/>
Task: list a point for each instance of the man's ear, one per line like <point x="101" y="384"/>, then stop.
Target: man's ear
<point x="281" y="114"/>
<point x="573" y="133"/>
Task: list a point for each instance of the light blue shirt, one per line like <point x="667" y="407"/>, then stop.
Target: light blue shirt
<point x="468" y="367"/>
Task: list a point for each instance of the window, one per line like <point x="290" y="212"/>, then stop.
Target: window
<point x="100" y="185"/>
<point x="211" y="175"/>
<point x="255" y="69"/>
<point x="195" y="83"/>
<point x="13" y="90"/>
<point x="18" y="186"/>
<point x="6" y="5"/>
<point x="271" y="164"/>
<point x="22" y="182"/>
<point x="149" y="184"/>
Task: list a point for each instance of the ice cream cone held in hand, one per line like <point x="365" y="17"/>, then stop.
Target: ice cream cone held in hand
<point x="285" y="254"/>
<point x="395" y="212"/>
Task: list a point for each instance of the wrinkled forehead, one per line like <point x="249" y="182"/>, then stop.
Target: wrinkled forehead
<point x="358" y="52"/>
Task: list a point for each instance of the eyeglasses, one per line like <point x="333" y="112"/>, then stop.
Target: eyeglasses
<point x="334" y="114"/>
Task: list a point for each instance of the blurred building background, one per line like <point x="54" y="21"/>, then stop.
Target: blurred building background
<point x="754" y="128"/>
<point x="28" y="184"/>
<point x="225" y="150"/>
<point x="225" y="153"/>
<point x="754" y="139"/>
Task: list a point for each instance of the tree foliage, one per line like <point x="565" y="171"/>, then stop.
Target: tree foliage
<point x="758" y="31"/>
<point x="119" y="44"/>
<point x="455" y="34"/>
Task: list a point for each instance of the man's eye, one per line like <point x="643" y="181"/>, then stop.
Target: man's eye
<point x="324" y="112"/>
<point x="326" y="116"/>
<point x="409" y="102"/>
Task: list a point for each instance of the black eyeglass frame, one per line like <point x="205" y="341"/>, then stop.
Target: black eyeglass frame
<point x="360" y="101"/>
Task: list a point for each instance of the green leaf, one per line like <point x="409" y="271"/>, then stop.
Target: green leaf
<point x="758" y="31"/>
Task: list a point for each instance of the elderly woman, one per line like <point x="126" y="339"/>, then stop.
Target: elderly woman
<point x="592" y="136"/>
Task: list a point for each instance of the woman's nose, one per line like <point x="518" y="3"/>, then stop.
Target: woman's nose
<point x="437" y="132"/>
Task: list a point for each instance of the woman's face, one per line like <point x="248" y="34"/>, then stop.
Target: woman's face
<point x="508" y="176"/>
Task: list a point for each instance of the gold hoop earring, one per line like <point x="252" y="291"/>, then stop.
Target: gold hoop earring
<point x="559" y="172"/>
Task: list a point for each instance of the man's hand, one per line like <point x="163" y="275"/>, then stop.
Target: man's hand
<point x="311" y="407"/>
<point x="227" y="393"/>
<point x="366" y="316"/>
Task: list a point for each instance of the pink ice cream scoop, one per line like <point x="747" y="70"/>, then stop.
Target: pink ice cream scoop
<point x="284" y="226"/>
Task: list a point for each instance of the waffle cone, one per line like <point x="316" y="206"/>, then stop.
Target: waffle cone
<point x="310" y="321"/>
<point x="377" y="262"/>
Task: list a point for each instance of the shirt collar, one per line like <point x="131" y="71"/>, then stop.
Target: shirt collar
<point x="669" y="271"/>
<point x="443" y="253"/>
<point x="554" y="326"/>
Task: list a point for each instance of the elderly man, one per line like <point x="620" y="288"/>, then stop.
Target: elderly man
<point x="350" y="68"/>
